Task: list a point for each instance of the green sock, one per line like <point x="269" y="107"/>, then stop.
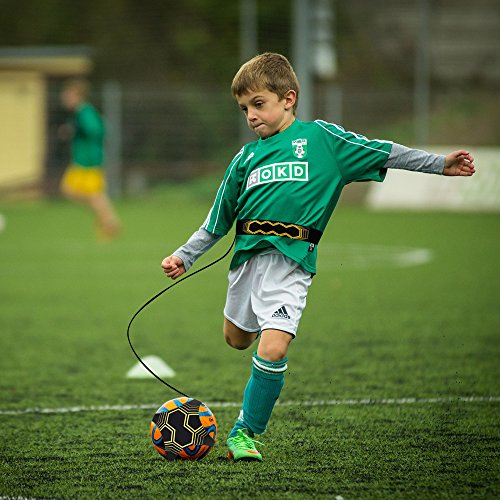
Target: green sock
<point x="261" y="393"/>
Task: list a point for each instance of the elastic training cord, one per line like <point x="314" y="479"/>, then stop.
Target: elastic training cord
<point x="154" y="298"/>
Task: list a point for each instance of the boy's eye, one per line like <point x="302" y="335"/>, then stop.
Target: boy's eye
<point x="243" y="109"/>
<point x="258" y="104"/>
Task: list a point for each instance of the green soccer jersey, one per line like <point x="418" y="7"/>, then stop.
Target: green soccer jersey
<point x="297" y="177"/>
<point x="88" y="139"/>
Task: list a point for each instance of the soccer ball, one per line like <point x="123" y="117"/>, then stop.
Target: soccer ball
<point x="183" y="429"/>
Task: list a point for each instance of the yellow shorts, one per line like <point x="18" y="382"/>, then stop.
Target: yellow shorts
<point x="83" y="181"/>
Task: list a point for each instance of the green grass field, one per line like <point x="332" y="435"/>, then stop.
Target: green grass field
<point x="405" y="305"/>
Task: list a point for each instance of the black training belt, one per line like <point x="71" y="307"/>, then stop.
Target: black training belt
<point x="274" y="228"/>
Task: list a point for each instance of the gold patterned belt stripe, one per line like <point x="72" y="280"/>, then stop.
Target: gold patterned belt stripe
<point x="276" y="228"/>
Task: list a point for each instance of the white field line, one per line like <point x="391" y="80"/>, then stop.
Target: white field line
<point x="235" y="404"/>
<point x="354" y="256"/>
<point x="17" y="498"/>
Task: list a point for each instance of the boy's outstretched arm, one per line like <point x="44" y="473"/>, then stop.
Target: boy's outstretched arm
<point x="459" y="163"/>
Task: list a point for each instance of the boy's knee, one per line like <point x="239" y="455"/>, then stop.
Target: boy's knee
<point x="273" y="345"/>
<point x="235" y="343"/>
<point x="237" y="338"/>
<point x="274" y="353"/>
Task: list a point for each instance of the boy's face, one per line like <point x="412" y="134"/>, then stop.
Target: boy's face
<point x="71" y="98"/>
<point x="266" y="114"/>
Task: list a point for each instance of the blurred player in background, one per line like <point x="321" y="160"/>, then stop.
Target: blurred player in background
<point x="84" y="179"/>
<point x="281" y="191"/>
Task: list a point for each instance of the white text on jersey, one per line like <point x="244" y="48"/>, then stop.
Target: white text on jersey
<point x="277" y="172"/>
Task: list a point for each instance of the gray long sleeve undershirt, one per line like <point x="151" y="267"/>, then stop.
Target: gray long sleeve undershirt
<point x="200" y="242"/>
<point x="400" y="157"/>
<point x="415" y="160"/>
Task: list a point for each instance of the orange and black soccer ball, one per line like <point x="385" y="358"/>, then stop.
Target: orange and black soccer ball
<point x="183" y="429"/>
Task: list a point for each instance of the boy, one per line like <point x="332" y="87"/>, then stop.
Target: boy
<point x="84" y="178"/>
<point x="281" y="191"/>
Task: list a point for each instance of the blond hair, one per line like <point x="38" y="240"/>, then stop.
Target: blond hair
<point x="79" y="85"/>
<point x="268" y="71"/>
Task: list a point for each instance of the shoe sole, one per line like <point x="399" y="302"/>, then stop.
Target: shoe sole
<point x="230" y="456"/>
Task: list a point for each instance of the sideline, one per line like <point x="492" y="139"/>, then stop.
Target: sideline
<point x="237" y="404"/>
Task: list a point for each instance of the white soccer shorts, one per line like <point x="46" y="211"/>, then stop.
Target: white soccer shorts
<point x="267" y="291"/>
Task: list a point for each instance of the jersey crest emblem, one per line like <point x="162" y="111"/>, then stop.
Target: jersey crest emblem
<point x="299" y="147"/>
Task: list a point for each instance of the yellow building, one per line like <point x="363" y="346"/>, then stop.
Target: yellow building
<point x="24" y="74"/>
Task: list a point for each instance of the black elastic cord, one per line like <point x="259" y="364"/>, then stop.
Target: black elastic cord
<point x="154" y="298"/>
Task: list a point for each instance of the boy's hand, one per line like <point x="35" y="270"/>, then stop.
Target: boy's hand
<point x="65" y="132"/>
<point x="173" y="267"/>
<point x="459" y="163"/>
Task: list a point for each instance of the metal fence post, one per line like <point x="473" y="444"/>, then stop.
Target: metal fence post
<point x="112" y="111"/>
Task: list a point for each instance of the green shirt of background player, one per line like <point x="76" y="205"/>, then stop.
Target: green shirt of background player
<point x="280" y="190"/>
<point x="84" y="179"/>
<point x="87" y="146"/>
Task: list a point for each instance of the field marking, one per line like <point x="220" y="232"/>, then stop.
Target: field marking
<point x="17" y="498"/>
<point x="235" y="404"/>
<point x="155" y="363"/>
<point x="358" y="256"/>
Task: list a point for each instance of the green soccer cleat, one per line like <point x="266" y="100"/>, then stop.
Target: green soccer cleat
<point x="242" y="447"/>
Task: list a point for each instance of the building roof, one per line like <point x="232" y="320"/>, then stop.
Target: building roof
<point x="50" y="60"/>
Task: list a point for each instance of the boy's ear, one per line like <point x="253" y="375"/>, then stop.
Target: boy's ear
<point x="290" y="99"/>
